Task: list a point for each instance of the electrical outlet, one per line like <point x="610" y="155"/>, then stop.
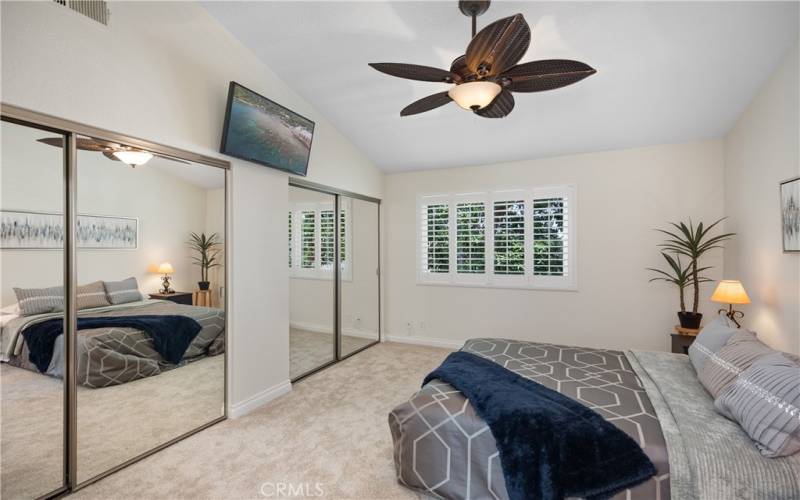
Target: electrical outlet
<point x="409" y="328"/>
<point x="422" y="326"/>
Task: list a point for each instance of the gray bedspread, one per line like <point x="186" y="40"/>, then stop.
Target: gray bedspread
<point x="112" y="356"/>
<point x="443" y="449"/>
<point x="711" y="457"/>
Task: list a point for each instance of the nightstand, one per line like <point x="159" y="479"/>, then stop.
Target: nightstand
<point x="177" y="297"/>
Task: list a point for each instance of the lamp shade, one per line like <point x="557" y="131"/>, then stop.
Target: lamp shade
<point x="730" y="292"/>
<point x="474" y="95"/>
<point x="166" y="268"/>
<point x="133" y="157"/>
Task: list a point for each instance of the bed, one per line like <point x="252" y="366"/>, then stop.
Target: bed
<point x="442" y="448"/>
<point x="115" y="355"/>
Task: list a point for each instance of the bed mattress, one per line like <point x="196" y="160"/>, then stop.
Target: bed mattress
<point x="114" y="355"/>
<point x="443" y="449"/>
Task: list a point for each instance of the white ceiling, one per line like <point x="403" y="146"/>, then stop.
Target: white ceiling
<point x="667" y="72"/>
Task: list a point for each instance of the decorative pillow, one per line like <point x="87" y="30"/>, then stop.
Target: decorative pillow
<point x="122" y="292"/>
<point x="92" y="295"/>
<point x="765" y="401"/>
<point x="722" y="367"/>
<point x="39" y="300"/>
<point x="710" y="340"/>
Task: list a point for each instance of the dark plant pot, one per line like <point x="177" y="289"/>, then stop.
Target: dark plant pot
<point x="690" y="319"/>
<point x="203" y="285"/>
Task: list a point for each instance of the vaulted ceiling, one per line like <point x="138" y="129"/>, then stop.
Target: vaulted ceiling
<point x="667" y="72"/>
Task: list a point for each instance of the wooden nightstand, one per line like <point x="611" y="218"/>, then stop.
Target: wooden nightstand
<point x="177" y="297"/>
<point x="683" y="338"/>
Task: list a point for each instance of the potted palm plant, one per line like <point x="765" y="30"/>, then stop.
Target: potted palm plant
<point x="207" y="250"/>
<point x="691" y="242"/>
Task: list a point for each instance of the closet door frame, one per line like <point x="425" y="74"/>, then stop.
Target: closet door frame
<point x="70" y="130"/>
<point x="337" y="271"/>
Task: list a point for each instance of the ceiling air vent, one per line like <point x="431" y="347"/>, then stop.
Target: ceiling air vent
<point x="93" y="9"/>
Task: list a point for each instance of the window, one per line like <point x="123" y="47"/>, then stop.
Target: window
<point x="520" y="238"/>
<point x="436" y="244"/>
<point x="307" y="239"/>
<point x="509" y="237"/>
<point x="470" y="238"/>
<point x="312" y="245"/>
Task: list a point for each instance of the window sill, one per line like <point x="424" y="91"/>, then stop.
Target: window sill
<point x="570" y="288"/>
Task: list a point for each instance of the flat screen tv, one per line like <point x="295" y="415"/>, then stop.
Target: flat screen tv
<point x="262" y="131"/>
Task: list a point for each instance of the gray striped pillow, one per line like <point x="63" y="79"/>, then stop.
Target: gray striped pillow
<point x="92" y="295"/>
<point x="122" y="292"/>
<point x="722" y="367"/>
<point x="765" y="401"/>
<point x="40" y="300"/>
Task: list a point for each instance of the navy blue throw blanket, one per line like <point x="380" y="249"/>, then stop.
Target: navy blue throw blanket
<point x="171" y="334"/>
<point x="550" y="446"/>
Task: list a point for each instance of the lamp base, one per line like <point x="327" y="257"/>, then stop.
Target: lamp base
<point x="165" y="288"/>
<point x="732" y="314"/>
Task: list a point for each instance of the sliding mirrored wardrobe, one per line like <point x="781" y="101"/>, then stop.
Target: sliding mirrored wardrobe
<point x="113" y="269"/>
<point x="334" y="270"/>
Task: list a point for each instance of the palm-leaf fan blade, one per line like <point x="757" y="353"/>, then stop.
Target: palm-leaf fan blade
<point x="498" y="46"/>
<point x="414" y="72"/>
<point x="549" y="74"/>
<point x="501" y="106"/>
<point x="426" y="104"/>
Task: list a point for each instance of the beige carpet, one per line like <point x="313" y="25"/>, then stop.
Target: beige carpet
<point x="309" y="350"/>
<point x="331" y="429"/>
<point x="114" y="423"/>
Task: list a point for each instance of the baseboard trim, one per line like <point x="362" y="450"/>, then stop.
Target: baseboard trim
<point x="427" y="341"/>
<point x="256" y="401"/>
<point x="350" y="332"/>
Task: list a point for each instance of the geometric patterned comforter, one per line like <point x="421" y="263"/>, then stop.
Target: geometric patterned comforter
<point x="442" y="448"/>
<point x="112" y="355"/>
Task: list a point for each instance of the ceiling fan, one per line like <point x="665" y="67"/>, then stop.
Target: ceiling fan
<point x="486" y="75"/>
<point x="117" y="152"/>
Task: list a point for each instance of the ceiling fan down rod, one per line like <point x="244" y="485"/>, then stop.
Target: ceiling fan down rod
<point x="473" y="9"/>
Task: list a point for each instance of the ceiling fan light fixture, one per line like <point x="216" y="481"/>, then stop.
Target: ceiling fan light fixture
<point x="474" y="95"/>
<point x="132" y="157"/>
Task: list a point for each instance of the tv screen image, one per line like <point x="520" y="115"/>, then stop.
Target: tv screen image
<point x="262" y="131"/>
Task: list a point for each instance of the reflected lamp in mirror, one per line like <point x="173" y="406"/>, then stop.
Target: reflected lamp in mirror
<point x="731" y="292"/>
<point x="133" y="157"/>
<point x="166" y="269"/>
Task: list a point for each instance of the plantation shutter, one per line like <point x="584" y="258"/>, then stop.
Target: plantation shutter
<point x="307" y="239"/>
<point x="434" y="239"/>
<point x="342" y="237"/>
<point x="326" y="239"/>
<point x="550" y="237"/>
<point x="471" y="238"/>
<point x="291" y="246"/>
<point x="509" y="237"/>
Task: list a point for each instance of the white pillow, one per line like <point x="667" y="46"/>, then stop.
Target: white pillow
<point x="12" y="309"/>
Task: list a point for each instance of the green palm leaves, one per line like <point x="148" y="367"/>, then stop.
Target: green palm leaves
<point x="207" y="249"/>
<point x="691" y="242"/>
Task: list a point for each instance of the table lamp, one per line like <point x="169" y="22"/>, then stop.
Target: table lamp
<point x="731" y="292"/>
<point x="166" y="269"/>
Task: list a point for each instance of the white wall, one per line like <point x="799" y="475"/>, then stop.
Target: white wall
<point x="621" y="197"/>
<point x="762" y="150"/>
<point x="160" y="71"/>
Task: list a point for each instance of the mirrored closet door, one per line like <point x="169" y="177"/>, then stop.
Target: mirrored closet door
<point x="32" y="390"/>
<point x="311" y="240"/>
<point x="359" y="289"/>
<point x="150" y="363"/>
<point x="113" y="273"/>
<point x="334" y="281"/>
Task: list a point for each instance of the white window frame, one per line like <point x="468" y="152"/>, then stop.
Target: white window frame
<point x="319" y="272"/>
<point x="528" y="280"/>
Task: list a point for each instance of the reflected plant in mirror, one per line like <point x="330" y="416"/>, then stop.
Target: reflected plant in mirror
<point x="207" y="250"/>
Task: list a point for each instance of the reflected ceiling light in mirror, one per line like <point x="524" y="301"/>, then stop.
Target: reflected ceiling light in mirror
<point x="133" y="157"/>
